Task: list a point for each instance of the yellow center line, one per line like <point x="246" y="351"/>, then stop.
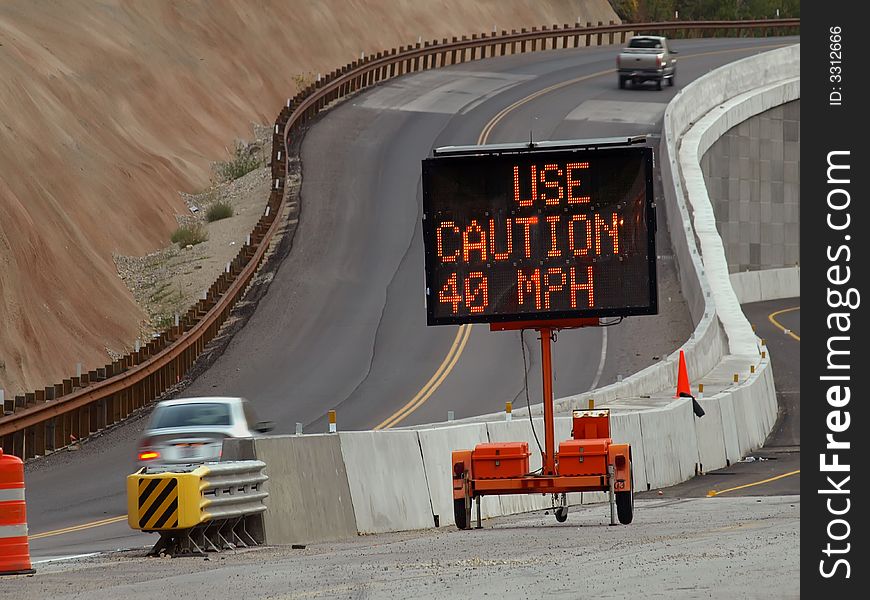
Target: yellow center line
<point x="464" y="331"/>
<point x="772" y="318"/>
<point x="81" y="527"/>
<point x="712" y="493"/>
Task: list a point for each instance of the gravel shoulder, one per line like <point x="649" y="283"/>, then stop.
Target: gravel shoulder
<point x="683" y="548"/>
<point x="167" y="282"/>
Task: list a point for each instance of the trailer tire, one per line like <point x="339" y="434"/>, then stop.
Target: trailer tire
<point x="561" y="513"/>
<point x="459" y="513"/>
<point x="625" y="506"/>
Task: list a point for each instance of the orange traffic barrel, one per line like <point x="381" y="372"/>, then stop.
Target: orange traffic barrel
<point x="14" y="550"/>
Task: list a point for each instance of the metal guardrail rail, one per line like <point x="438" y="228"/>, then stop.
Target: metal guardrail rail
<point x="48" y="419"/>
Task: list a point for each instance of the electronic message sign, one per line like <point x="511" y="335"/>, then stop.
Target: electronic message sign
<point x="533" y="235"/>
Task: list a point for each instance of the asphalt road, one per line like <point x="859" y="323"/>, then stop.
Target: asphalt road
<point x="343" y="323"/>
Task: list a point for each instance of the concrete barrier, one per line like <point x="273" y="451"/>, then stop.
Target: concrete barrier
<point x="309" y="497"/>
<point x="387" y="480"/>
<point x="625" y="428"/>
<point x="662" y="463"/>
<point x="729" y="429"/>
<point x="710" y="434"/>
<point x="769" y="284"/>
<point x="436" y="446"/>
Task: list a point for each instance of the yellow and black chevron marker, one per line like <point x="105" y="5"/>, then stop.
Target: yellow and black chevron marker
<point x="158" y="503"/>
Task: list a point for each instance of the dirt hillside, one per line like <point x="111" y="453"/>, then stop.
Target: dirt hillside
<point x="111" y="108"/>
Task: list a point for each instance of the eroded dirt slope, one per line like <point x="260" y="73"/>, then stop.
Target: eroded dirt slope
<point x="111" y="108"/>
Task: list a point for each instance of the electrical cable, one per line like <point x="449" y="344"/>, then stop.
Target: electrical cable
<point x="526" y="386"/>
<point x="611" y="323"/>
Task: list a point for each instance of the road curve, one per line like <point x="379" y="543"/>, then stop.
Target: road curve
<point x="343" y="323"/>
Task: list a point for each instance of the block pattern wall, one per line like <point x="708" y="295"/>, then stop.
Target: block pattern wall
<point x="753" y="180"/>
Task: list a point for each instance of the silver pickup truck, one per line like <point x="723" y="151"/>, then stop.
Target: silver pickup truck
<point x="646" y="58"/>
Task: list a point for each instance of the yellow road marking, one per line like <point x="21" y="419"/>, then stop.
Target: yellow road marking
<point x="462" y="335"/>
<point x="772" y="318"/>
<point x="434" y="382"/>
<point x="81" y="527"/>
<point x="712" y="493"/>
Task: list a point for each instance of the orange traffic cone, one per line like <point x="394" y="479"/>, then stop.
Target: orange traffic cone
<point x="14" y="549"/>
<point x="683" y="386"/>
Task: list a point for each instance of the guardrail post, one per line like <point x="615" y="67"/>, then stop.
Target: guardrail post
<point x="18" y="444"/>
<point x="611" y="34"/>
<point x="588" y="35"/>
<point x="8" y="403"/>
<point x="39" y="439"/>
<point x="599" y="33"/>
<point x="50" y="435"/>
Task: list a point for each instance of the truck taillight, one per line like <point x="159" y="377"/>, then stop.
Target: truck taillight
<point x="659" y="60"/>
<point x="149" y="455"/>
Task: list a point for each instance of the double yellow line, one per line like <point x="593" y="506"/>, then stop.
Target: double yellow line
<point x="81" y="527"/>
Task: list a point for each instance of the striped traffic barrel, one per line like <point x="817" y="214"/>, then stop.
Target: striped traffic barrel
<point x="14" y="550"/>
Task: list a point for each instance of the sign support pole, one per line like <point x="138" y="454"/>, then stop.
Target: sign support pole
<point x="549" y="458"/>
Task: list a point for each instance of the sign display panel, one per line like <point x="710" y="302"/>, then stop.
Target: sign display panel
<point x="538" y="235"/>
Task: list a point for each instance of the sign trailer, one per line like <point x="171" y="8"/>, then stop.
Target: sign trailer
<point x="545" y="236"/>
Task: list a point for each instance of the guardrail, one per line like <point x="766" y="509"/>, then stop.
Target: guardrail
<point x="197" y="508"/>
<point x="49" y="419"/>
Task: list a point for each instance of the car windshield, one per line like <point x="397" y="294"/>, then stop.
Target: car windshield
<point x="645" y="43"/>
<point x="199" y="414"/>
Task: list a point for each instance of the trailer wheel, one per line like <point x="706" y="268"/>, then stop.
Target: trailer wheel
<point x="459" y="514"/>
<point x="561" y="514"/>
<point x="625" y="506"/>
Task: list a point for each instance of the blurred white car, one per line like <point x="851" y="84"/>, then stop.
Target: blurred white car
<point x="192" y="430"/>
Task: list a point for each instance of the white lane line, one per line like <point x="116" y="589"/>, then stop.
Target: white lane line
<point x="60" y="558"/>
<point x="603" y="358"/>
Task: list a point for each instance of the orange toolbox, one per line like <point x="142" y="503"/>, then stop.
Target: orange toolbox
<point x="500" y="460"/>
<point x="583" y="457"/>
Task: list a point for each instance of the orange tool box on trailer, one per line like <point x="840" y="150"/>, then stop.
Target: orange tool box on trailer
<point x="583" y="457"/>
<point x="496" y="461"/>
<point x="590" y="424"/>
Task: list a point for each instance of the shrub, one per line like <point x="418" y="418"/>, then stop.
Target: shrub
<point x="189" y="235"/>
<point x="244" y="160"/>
<point x="219" y="210"/>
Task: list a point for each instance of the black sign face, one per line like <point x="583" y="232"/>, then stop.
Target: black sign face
<point x="539" y="235"/>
